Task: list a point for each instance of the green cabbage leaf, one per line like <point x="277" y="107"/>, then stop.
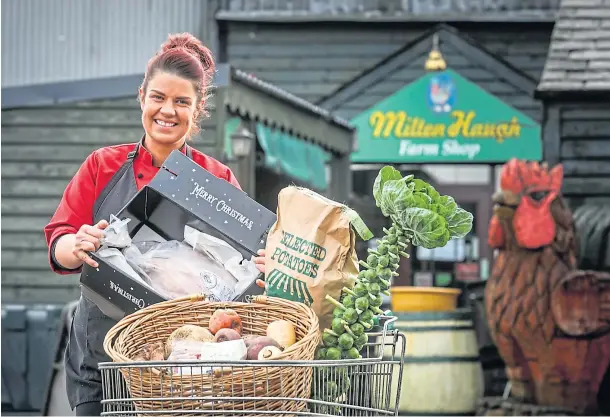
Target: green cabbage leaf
<point x="429" y="219"/>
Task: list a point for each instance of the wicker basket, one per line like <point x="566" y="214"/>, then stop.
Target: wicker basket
<point x="155" y="323"/>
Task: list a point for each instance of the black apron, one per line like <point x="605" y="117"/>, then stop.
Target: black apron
<point x="89" y="327"/>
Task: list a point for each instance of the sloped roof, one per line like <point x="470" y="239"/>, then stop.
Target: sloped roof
<point x="468" y="47"/>
<point x="579" y="55"/>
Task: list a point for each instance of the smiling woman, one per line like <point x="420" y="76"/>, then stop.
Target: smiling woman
<point x="173" y="96"/>
<point x="168" y="111"/>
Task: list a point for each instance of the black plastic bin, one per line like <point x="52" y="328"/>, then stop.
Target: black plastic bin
<point x="29" y="338"/>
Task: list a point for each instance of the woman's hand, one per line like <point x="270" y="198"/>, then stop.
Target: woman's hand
<point x="87" y="239"/>
<point x="259" y="262"/>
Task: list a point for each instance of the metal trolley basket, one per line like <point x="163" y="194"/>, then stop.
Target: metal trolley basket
<point x="363" y="387"/>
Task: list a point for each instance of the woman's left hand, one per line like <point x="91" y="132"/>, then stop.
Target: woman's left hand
<point x="259" y="262"/>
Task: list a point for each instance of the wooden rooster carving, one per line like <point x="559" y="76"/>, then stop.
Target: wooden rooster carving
<point x="549" y="320"/>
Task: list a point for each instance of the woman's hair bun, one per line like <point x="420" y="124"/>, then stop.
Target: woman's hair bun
<point x="192" y="45"/>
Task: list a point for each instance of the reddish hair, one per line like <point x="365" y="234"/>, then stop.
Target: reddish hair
<point x="185" y="56"/>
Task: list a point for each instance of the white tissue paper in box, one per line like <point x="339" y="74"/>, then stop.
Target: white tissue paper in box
<point x="115" y="257"/>
<point x="116" y="235"/>
<point x="244" y="270"/>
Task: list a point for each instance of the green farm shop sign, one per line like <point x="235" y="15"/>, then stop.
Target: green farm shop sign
<point x="442" y="117"/>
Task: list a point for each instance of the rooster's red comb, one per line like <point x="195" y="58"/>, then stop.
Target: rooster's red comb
<point x="518" y="176"/>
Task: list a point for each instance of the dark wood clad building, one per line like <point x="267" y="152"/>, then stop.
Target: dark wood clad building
<point x="575" y="91"/>
<point x="312" y="59"/>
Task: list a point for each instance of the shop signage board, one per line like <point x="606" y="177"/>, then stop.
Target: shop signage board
<point x="443" y="117"/>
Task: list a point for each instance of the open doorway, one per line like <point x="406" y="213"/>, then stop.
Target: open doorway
<point x="462" y="261"/>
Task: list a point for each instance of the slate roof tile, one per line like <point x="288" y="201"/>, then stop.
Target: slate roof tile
<point x="579" y="54"/>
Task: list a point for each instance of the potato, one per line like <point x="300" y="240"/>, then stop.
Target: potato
<point x="256" y="344"/>
<point x="225" y="319"/>
<point x="158" y="353"/>
<point x="188" y="332"/>
<point x="225" y="335"/>
<point x="151" y="352"/>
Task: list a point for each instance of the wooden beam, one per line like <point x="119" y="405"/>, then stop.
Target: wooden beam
<point x="590" y="186"/>
<point x="585" y="149"/>
<point x="43" y="294"/>
<point x="582" y="168"/>
<point x="340" y="185"/>
<point x="539" y="16"/>
<point x="586" y="128"/>
<point x="551" y="141"/>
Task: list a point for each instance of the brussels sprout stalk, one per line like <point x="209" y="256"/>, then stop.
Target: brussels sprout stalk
<point x="387" y="283"/>
<point x="419" y="216"/>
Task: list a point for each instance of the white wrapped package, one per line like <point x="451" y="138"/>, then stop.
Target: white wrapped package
<point x="190" y="351"/>
<point x="175" y="270"/>
<point x="244" y="270"/>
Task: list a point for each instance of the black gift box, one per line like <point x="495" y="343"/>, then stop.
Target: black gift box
<point x="182" y="193"/>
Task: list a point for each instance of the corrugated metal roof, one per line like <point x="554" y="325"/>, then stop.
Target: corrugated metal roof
<point x="47" y="41"/>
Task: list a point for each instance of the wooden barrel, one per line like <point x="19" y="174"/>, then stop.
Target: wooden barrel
<point x="442" y="374"/>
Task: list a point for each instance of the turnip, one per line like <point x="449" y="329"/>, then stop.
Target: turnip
<point x="283" y="332"/>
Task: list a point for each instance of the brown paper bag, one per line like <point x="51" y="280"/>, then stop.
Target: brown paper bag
<point x="311" y="250"/>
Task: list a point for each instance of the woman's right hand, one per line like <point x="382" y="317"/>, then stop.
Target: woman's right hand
<point x="87" y="239"/>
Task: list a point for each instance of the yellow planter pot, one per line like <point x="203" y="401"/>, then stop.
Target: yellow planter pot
<point x="408" y="299"/>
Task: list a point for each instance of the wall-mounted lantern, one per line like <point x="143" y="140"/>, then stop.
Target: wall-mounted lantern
<point x="242" y="142"/>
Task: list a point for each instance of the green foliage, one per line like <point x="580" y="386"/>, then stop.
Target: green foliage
<point x="427" y="218"/>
